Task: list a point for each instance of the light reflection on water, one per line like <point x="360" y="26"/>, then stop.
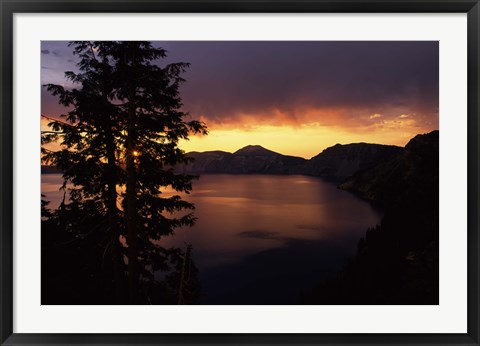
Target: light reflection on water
<point x="253" y="228"/>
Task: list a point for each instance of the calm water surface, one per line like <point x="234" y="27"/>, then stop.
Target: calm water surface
<point x="264" y="239"/>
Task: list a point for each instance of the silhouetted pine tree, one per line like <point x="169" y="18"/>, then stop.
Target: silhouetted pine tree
<point x="89" y="145"/>
<point x="123" y="129"/>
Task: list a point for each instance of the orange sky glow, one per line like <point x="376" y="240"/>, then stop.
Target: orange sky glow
<point x="307" y="136"/>
<point x="293" y="97"/>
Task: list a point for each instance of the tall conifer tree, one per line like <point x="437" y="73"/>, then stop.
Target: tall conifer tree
<point x="124" y="128"/>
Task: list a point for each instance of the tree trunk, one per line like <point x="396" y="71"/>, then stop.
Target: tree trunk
<point x="131" y="208"/>
<point x="112" y="210"/>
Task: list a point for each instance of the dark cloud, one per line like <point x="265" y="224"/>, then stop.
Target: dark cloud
<point x="45" y="51"/>
<point x="348" y="81"/>
<point x="228" y="78"/>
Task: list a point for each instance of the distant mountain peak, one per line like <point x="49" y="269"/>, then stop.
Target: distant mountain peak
<point x="256" y="150"/>
<point x="337" y="162"/>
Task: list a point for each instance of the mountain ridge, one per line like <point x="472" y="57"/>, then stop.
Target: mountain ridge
<point x="397" y="261"/>
<point x="337" y="162"/>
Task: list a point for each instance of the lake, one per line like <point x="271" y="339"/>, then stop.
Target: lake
<point x="264" y="239"/>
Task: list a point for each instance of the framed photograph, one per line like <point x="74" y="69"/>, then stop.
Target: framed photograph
<point x="239" y="172"/>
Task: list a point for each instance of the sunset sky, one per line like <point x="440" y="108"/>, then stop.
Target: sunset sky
<point x="296" y="98"/>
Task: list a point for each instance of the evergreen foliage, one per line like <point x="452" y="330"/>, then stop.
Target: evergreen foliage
<point x="119" y="146"/>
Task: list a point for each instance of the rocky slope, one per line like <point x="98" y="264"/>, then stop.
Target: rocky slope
<point x="413" y="172"/>
<point x="342" y="161"/>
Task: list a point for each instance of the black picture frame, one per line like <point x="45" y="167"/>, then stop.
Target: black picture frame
<point x="10" y="7"/>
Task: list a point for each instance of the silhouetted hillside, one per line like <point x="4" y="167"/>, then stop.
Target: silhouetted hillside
<point x="411" y="173"/>
<point x="207" y="162"/>
<point x="397" y="261"/>
<point x="342" y="161"/>
<point x="252" y="159"/>
<point x="337" y="162"/>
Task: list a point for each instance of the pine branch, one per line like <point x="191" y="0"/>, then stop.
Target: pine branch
<point x="58" y="121"/>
